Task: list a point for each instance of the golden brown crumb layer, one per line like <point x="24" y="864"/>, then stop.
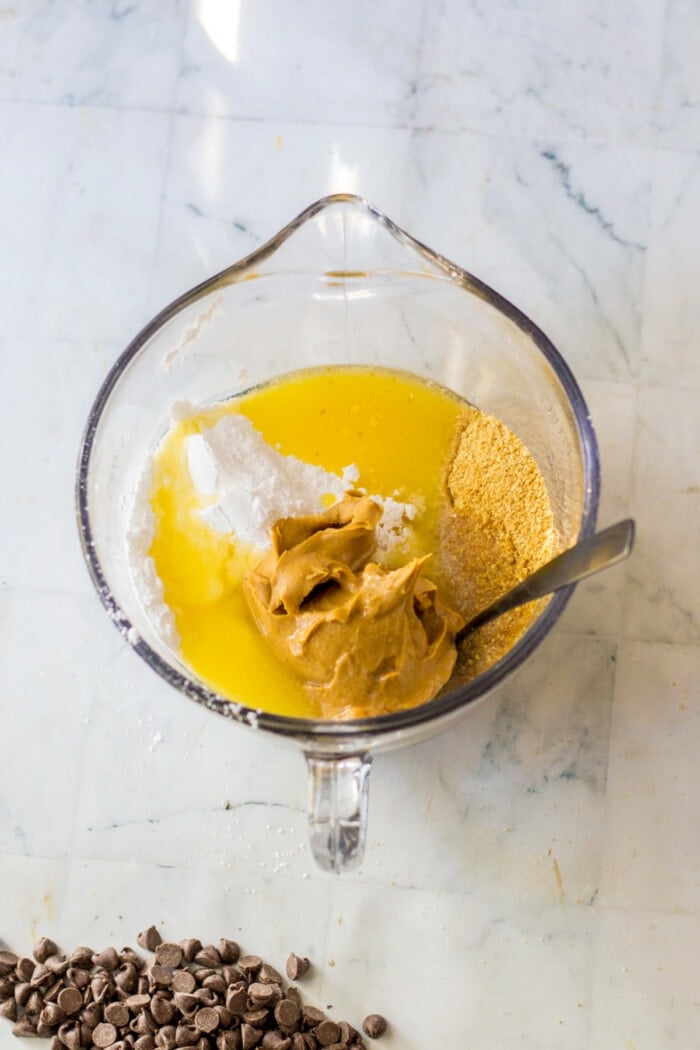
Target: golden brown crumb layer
<point x="495" y="530"/>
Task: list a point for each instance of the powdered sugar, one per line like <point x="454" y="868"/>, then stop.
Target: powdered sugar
<point x="148" y="585"/>
<point x="251" y="485"/>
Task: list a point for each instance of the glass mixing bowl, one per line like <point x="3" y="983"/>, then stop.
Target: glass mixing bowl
<point x="341" y="284"/>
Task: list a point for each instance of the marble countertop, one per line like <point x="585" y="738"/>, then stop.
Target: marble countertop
<point x="531" y="878"/>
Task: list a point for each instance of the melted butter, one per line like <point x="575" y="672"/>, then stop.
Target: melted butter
<point x="396" y="428"/>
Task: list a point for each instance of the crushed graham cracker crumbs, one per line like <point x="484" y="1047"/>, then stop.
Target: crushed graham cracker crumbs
<point x="495" y="530"/>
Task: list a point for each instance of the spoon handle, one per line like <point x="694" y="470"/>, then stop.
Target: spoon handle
<point x="598" y="552"/>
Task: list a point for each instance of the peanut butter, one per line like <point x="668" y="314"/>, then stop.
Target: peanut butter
<point x="365" y="640"/>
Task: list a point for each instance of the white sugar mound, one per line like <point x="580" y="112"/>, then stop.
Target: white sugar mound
<point x="251" y="485"/>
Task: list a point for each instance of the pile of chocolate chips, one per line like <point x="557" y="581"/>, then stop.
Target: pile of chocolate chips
<point x="208" y="998"/>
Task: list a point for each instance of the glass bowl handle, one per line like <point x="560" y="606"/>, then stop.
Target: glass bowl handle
<point x="338" y="798"/>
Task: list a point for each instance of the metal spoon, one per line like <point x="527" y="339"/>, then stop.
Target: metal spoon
<point x="586" y="558"/>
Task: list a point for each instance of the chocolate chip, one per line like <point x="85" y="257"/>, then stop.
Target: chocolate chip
<point x="70" y="1001"/>
<point x="8" y="1010"/>
<point x="293" y="994"/>
<point x="57" y="964"/>
<point x="206" y="996"/>
<point x="327" y="1032"/>
<point x="186" y="1035"/>
<point x="287" y="1013"/>
<point x="276" y="1041"/>
<point x="208" y="956"/>
<point x="206" y="1019"/>
<point x="86" y="1031"/>
<point x="22" y="992"/>
<point x="236" y="1000"/>
<point x="117" y="1014"/>
<point x="269" y="975"/>
<point x="216" y="982"/>
<point x="149" y="939"/>
<point x="374" y="1025"/>
<point x="145" y="1042"/>
<point x="230" y="1040"/>
<point x="163" y="1011"/>
<point x="51" y="992"/>
<point x="186" y="1004"/>
<point x="104" y="1035"/>
<point x="312" y="1015"/>
<point x="42" y="976"/>
<point x="202" y="972"/>
<point x="166" y="1038"/>
<point x="69" y="1034"/>
<point x="225" y="1016"/>
<point x="127" y="978"/>
<point x="81" y="958"/>
<point x="99" y="987"/>
<point x="43" y="948"/>
<point x="250" y="963"/>
<point x="143" y="1023"/>
<point x="183" y="981"/>
<point x="35" y="1003"/>
<point x="229" y="951"/>
<point x="24" y="1028"/>
<point x="8" y="963"/>
<point x="51" y="1015"/>
<point x="7" y="989"/>
<point x="77" y="978"/>
<point x="160" y="976"/>
<point x="169" y="954"/>
<point x="137" y="1002"/>
<point x="250" y="1036"/>
<point x="108" y="959"/>
<point x="24" y="969"/>
<point x="91" y="1015"/>
<point x="128" y="957"/>
<point x="256" y="1017"/>
<point x="230" y="973"/>
<point x="296" y="967"/>
<point x="347" y="1033"/>
<point x="260" y="993"/>
<point x="190" y="947"/>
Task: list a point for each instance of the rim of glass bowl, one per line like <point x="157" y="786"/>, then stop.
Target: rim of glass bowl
<point x="408" y="718"/>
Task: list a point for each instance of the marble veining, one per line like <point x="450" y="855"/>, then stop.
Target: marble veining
<point x="532" y="876"/>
